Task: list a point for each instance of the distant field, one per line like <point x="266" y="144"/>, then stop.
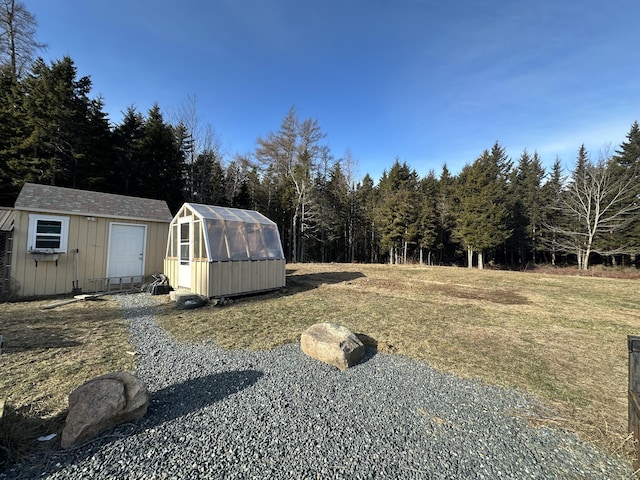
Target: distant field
<point x="559" y="337"/>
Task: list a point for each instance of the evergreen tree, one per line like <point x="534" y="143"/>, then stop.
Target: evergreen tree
<point x="161" y="161"/>
<point x="551" y="195"/>
<point x="526" y="203"/>
<point x="96" y="141"/>
<point x="628" y="155"/>
<point x="127" y="139"/>
<point x="482" y="214"/>
<point x="11" y="131"/>
<point x="208" y="179"/>
<point x="396" y="214"/>
<point x="445" y="208"/>
<point x="57" y="112"/>
<point x="427" y="216"/>
<point x="367" y="236"/>
<point x="627" y="162"/>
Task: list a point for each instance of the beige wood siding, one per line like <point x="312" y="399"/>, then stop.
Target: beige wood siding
<point x="217" y="279"/>
<point x="90" y="238"/>
<point x="171" y="271"/>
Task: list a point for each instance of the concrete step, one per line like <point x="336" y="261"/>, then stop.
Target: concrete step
<point x="186" y="299"/>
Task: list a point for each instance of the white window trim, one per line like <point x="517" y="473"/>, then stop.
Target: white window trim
<point x="64" y="233"/>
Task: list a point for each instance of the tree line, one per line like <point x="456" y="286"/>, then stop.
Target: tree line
<point x="494" y="211"/>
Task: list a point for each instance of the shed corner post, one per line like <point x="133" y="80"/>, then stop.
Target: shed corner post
<point x="633" y="343"/>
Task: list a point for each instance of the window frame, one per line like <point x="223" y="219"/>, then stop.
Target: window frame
<point x="32" y="238"/>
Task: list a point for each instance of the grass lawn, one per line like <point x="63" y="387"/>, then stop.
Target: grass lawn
<point x="562" y="338"/>
<point x="46" y="355"/>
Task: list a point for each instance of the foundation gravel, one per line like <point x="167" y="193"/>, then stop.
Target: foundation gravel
<point x="237" y="414"/>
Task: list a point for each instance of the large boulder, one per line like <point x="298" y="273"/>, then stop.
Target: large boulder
<point x="102" y="403"/>
<point x="333" y="344"/>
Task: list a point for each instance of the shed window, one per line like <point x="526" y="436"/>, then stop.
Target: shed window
<point x="48" y="233"/>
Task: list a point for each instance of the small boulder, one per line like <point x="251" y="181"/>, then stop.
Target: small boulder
<point x="102" y="403"/>
<point x="333" y="344"/>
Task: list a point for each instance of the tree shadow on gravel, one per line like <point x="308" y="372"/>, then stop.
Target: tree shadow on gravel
<point x="168" y="404"/>
<point x="192" y="395"/>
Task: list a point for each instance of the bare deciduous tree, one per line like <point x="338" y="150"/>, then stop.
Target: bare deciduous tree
<point x="18" y="43"/>
<point x="598" y="202"/>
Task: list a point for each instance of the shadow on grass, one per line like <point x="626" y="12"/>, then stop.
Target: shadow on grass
<point x="302" y="283"/>
<point x="172" y="402"/>
<point x="40" y="338"/>
<point x="373" y="345"/>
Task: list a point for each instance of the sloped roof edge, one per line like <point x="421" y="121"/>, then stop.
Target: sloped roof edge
<point x="51" y="199"/>
<point x="228" y="213"/>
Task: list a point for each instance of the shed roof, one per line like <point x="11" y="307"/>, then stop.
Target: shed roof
<point x="6" y="219"/>
<point x="50" y="199"/>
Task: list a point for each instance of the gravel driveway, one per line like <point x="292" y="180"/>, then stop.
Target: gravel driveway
<point x="217" y="413"/>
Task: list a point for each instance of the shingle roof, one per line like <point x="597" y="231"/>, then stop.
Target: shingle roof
<point x="49" y="199"/>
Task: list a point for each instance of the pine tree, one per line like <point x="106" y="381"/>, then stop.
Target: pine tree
<point x="367" y="236"/>
<point x="628" y="155"/>
<point x="526" y="203"/>
<point x="445" y="205"/>
<point x="427" y="216"/>
<point x="161" y="161"/>
<point x="482" y="214"/>
<point x="551" y="196"/>
<point x="11" y="131"/>
<point x="127" y="139"/>
<point x="396" y="214"/>
<point x="56" y="111"/>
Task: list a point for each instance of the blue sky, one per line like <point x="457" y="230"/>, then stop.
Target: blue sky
<point x="429" y="82"/>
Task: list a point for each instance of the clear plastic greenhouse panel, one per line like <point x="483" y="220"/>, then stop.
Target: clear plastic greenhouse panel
<point x="239" y="240"/>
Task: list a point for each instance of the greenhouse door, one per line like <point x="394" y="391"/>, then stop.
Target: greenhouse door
<point x="184" y="253"/>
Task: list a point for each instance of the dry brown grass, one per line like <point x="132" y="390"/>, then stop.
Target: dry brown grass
<point x="47" y="354"/>
<point x="559" y="337"/>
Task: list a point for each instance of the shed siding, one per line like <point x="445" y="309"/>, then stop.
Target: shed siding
<point x="218" y="279"/>
<point x="91" y="239"/>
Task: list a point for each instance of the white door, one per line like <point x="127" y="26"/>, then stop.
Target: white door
<point x="184" y="252"/>
<point x="126" y="250"/>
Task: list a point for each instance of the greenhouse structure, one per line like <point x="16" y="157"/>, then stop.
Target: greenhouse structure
<point x="219" y="252"/>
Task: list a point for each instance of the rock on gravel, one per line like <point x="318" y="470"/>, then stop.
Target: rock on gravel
<point x="230" y="414"/>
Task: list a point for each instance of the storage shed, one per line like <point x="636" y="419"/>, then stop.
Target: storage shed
<point x="67" y="240"/>
<point x="218" y="251"/>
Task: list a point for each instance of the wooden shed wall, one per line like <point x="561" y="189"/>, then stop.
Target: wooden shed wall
<point x="217" y="279"/>
<point x="91" y="238"/>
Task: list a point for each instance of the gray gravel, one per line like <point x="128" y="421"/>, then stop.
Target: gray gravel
<point x="217" y="413"/>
